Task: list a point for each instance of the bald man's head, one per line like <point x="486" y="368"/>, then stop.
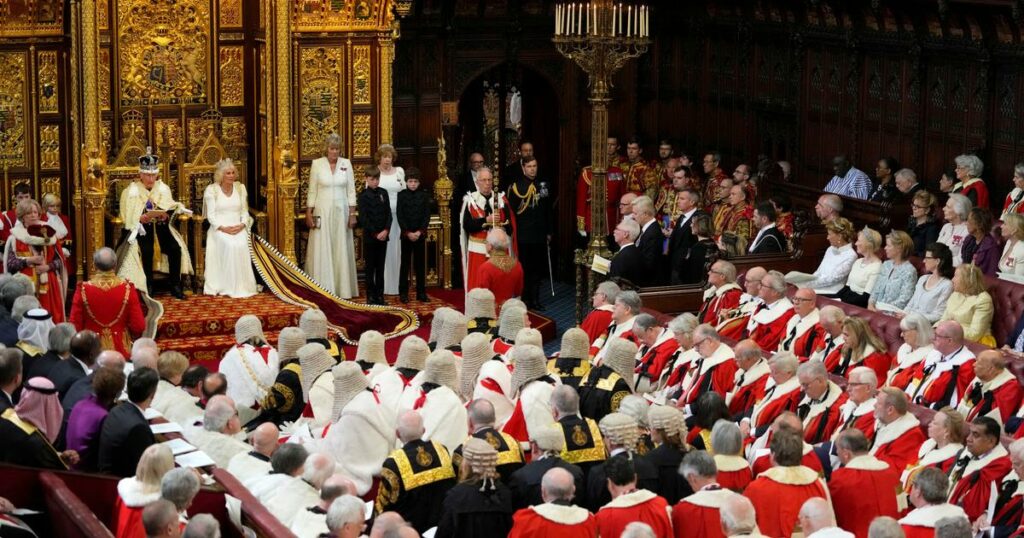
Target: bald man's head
<point x="557" y="485"/>
<point x="113" y="360"/>
<point x="410" y="427"/>
<point x="145" y="357"/>
<point x="481" y="414"/>
<point x="949" y="336"/>
<point x="816" y="514"/>
<point x="788" y="420"/>
<point x="264" y="438"/>
<point x="737" y="516"/>
<point x="747" y="352"/>
<point x="333" y="487"/>
<point x="388" y="524"/>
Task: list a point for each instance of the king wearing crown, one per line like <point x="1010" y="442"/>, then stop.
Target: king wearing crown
<point x="146" y="209"/>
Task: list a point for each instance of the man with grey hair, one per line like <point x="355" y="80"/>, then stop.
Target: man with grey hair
<point x="767" y="326"/>
<point x="906" y="182"/>
<point x="750" y="380"/>
<point x="738" y="517"/>
<point x="650" y="240"/>
<point x="637" y="529"/>
<point x="345" y="518"/>
<point x="928" y="492"/>
<point x="722" y="295"/>
<point x="217" y="436"/>
<point x="582" y="439"/>
<point x="480" y="413"/>
<point x="557" y="515"/>
<point x="180" y="486"/>
<point x="312" y="521"/>
<point x="673" y="375"/>
<point x="628" y="262"/>
<point x="657" y="347"/>
<point x="828" y="208"/>
<point x="114" y="309"/>
<point x="602" y="302"/>
<point x="202" y="526"/>
<point x="885" y="527"/>
<point x="819" y="408"/>
<point x="816" y="519"/>
<point x="501" y="273"/>
<point x="624" y="312"/>
<point x="482" y="210"/>
<point x="301" y="491"/>
<point x="831" y="318"/>
<point x="953" y="527"/>
<point x="863" y="487"/>
<point x="699" y="512"/>
<point x="781" y="395"/>
<point x="858" y="411"/>
<point x="714" y="368"/>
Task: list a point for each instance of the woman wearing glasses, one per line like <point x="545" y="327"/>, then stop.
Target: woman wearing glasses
<point x="923" y="228"/>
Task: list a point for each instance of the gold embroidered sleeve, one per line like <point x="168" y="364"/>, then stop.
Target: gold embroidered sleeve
<point x="617" y="399"/>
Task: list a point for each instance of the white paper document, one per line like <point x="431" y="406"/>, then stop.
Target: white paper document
<point x="178" y="446"/>
<point x="166" y="427"/>
<point x="151" y="413"/>
<point x="194" y="459"/>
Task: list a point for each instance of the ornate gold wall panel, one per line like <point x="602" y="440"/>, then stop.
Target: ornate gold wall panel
<point x="51" y="185"/>
<point x="232" y="76"/>
<point x="169" y="133"/>
<point x="233" y="135"/>
<point x="104" y="79"/>
<point x="106" y="135"/>
<point x="230" y="13"/>
<point x="361" y="75"/>
<point x="48" y="90"/>
<point x="49" y="147"/>
<point x="13" y="111"/>
<point x="31" y="18"/>
<point x="361" y="132"/>
<point x="335" y="15"/>
<point x="163" y="51"/>
<point x="320" y="97"/>
<point x="103" y="14"/>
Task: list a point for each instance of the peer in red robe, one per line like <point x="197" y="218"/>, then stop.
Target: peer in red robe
<point x="803" y="335"/>
<point x="763" y="459"/>
<point x="696" y="516"/>
<point x="942" y="380"/>
<point x="822" y="416"/>
<point x="503" y="275"/>
<point x="768" y="325"/>
<point x="778" y="494"/>
<point x="920" y="522"/>
<point x="654" y="358"/>
<point x="998" y="398"/>
<point x="749" y="387"/>
<point x="778" y="399"/>
<point x="718" y="301"/>
<point x="109" y="306"/>
<point x="860" y="416"/>
<point x="553" y="520"/>
<point x="863" y="489"/>
<point x="975" y="477"/>
<point x="640" y="505"/>
<point x="733" y="323"/>
<point x="898" y="442"/>
<point x="733" y="472"/>
<point x="715" y="372"/>
<point x="597" y="321"/>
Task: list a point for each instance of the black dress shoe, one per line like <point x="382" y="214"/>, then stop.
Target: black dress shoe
<point x="178" y="293"/>
<point x="422" y="297"/>
<point x="404" y="298"/>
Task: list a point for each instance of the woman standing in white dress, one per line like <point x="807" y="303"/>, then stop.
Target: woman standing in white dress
<point x="226" y="206"/>
<point x="330" y="216"/>
<point x="392" y="179"/>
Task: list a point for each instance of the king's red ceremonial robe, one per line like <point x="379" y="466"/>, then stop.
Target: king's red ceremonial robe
<point x="109" y="306"/>
<point x="778" y="494"/>
<point x="862" y="490"/>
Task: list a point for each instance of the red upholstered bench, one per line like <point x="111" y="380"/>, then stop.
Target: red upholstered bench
<point x="69" y="516"/>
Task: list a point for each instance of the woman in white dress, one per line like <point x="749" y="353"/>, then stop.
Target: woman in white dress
<point x="226" y="207"/>
<point x="330" y="216"/>
<point x="392" y="179"/>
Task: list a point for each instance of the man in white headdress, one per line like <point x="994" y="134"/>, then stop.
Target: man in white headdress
<point x="407" y="371"/>
<point x="317" y="383"/>
<point x="34" y="335"/>
<point x="514" y="317"/>
<point x="251" y="365"/>
<point x="444" y="413"/>
<point x="370" y="354"/>
<point x="480" y="312"/>
<point x="362" y="432"/>
<point x="532" y="386"/>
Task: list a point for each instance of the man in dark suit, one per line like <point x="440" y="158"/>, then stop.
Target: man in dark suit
<point x="59" y="342"/>
<point x="10" y="290"/>
<point x="627" y="263"/>
<point x="10" y="377"/>
<point x="85" y="347"/>
<point x="682" y="238"/>
<point x="546" y="447"/>
<point x="126" y="434"/>
<point x="769" y="238"/>
<point x="651" y="241"/>
<point x="514" y="171"/>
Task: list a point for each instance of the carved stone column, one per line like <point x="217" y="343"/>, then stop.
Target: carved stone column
<point x="283" y="184"/>
<point x="93" y="159"/>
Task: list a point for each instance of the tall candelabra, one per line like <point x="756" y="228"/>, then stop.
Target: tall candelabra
<point x="600" y="36"/>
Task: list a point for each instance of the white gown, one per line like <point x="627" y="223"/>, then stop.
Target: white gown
<point x="330" y="254"/>
<point x="393" y="183"/>
<point x="228" y="265"/>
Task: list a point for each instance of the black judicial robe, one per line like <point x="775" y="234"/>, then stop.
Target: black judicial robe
<point x="332" y="347"/>
<point x="510" y="455"/>
<point x="584" y="446"/>
<point x="285" y="401"/>
<point x="602" y="392"/>
<point x="413" y="482"/>
<point x="471" y="513"/>
<point x="23" y="444"/>
<point x="487" y="326"/>
<point x="525" y="483"/>
<point x="570" y="370"/>
<point x="671" y="485"/>
<point x="597" y="481"/>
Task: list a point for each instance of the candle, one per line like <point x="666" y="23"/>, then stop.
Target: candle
<point x="569" y="28"/>
<point x="615" y="20"/>
<point x="629" y="22"/>
<point x="579" y="19"/>
<point x="558" y="11"/>
<point x="596" y="27"/>
<point x="647" y="22"/>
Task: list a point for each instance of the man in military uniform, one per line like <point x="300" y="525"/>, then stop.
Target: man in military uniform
<point x="530" y="203"/>
<point x="108" y="305"/>
<point x="146" y="209"/>
<point x="415" y="478"/>
<point x="640" y="175"/>
<point x="481" y="423"/>
<point x="606" y="385"/>
<point x="613" y="190"/>
<point x="713" y="174"/>
<point x="285" y="400"/>
<point x="584" y="445"/>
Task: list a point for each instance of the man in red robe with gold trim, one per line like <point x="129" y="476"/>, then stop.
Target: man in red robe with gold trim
<point x="803" y="333"/>
<point x="482" y="210"/>
<point x="983" y="463"/>
<point x="501" y="273"/>
<point x="697" y="516"/>
<point x="864" y="487"/>
<point x="714" y="175"/>
<point x="732" y="323"/>
<point x="767" y="325"/>
<point x="819" y="408"/>
<point x="994" y="392"/>
<point x="108" y="305"/>
<point x="723" y="295"/>
<point x="779" y="492"/>
<point x="557" y="517"/>
<point x="750" y="381"/>
<point x="613" y="191"/>
<point x="640" y="176"/>
<point x="898" y="436"/>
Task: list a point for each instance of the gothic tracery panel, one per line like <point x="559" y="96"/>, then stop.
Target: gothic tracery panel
<point x="320" y="97"/>
<point x="13" y="98"/>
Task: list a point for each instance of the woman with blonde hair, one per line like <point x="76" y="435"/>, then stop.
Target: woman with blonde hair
<point x="135" y="492"/>
<point x="330" y="217"/>
<point x="865" y="270"/>
<point x="392" y="180"/>
<point x="970" y="305"/>
<point x="835" y="266"/>
<point x="226" y="207"/>
<point x="946" y="434"/>
<point x="861" y="347"/>
<point x="895" y="284"/>
<point x="39" y="257"/>
<point x="1012" y="259"/>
